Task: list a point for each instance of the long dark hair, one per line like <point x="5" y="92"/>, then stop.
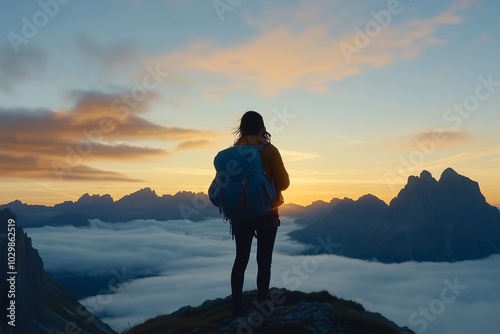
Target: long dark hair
<point x="252" y="123"/>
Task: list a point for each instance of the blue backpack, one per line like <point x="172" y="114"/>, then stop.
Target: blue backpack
<point x="241" y="189"/>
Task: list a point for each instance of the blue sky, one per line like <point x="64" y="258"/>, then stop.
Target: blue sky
<point x="347" y="122"/>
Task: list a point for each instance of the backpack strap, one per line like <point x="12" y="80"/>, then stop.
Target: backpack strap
<point x="261" y="147"/>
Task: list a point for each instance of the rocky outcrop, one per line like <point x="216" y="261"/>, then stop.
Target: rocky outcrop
<point x="38" y="304"/>
<point x="23" y="267"/>
<point x="286" y="312"/>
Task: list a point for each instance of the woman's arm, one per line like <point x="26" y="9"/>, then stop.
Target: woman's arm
<point x="278" y="171"/>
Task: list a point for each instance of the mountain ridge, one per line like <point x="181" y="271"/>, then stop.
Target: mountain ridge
<point x="443" y="220"/>
<point x="142" y="204"/>
<point x="41" y="304"/>
<point x="429" y="220"/>
<point x="146" y="204"/>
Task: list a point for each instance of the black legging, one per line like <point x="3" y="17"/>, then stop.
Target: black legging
<point x="265" y="244"/>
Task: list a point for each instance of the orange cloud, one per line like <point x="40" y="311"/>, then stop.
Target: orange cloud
<point x="280" y="58"/>
<point x="38" y="168"/>
<point x="45" y="144"/>
<point x="192" y="144"/>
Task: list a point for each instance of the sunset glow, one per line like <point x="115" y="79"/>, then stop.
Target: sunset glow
<point x="111" y="97"/>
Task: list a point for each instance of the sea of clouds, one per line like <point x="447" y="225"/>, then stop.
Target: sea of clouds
<point x="188" y="262"/>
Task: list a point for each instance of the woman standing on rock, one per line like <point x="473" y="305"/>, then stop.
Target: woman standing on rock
<point x="253" y="132"/>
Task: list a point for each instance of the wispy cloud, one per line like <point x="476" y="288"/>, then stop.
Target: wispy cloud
<point x="435" y="140"/>
<point x="192" y="144"/>
<point x="347" y="141"/>
<point x="188" y="171"/>
<point x="298" y="155"/>
<point x="450" y="160"/>
<point x="339" y="177"/>
<point x="464" y="156"/>
<point x="280" y="58"/>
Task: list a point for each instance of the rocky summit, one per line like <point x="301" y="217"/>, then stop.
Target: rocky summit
<point x="286" y="312"/>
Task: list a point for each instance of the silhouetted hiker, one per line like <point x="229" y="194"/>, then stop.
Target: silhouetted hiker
<point x="253" y="132"/>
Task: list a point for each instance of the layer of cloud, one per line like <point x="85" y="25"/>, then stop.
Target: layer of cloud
<point x="191" y="144"/>
<point x="192" y="262"/>
<point x="280" y="58"/>
<point x="298" y="155"/>
<point x="347" y="141"/>
<point x="436" y="140"/>
<point x="45" y="144"/>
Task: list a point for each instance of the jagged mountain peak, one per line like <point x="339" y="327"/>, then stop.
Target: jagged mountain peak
<point x="321" y="202"/>
<point x="457" y="182"/>
<point x="364" y="201"/>
<point x="429" y="220"/>
<point x="451" y="186"/>
<point x="142" y="194"/>
<point x="425" y="179"/>
<point x="425" y="194"/>
<point x="87" y="198"/>
<point x="145" y="191"/>
<point x="449" y="173"/>
<point x="426" y="175"/>
<point x="372" y="199"/>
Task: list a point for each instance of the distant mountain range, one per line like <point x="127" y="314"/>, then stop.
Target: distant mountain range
<point x="41" y="305"/>
<point x="143" y="204"/>
<point x="429" y="220"/>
